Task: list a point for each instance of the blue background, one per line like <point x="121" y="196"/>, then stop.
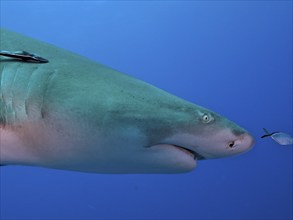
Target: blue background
<point x="232" y="57"/>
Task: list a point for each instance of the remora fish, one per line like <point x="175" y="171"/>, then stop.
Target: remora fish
<point x="75" y="114"/>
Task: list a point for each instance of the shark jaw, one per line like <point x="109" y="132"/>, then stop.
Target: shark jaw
<point x="180" y="158"/>
<point x="191" y="148"/>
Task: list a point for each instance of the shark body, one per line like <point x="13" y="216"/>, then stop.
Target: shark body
<point x="75" y="114"/>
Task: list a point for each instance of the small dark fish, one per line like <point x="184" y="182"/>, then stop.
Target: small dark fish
<point x="280" y="137"/>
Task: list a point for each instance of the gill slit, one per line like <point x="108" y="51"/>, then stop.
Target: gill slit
<point x="30" y="81"/>
<point x="47" y="86"/>
<point x="4" y="110"/>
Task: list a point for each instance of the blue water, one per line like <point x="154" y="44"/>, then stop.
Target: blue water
<point x="232" y="57"/>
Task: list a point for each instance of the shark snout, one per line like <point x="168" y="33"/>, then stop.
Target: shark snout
<point x="223" y="143"/>
<point x="241" y="143"/>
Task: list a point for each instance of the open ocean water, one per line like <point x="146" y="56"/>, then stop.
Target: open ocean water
<point x="233" y="57"/>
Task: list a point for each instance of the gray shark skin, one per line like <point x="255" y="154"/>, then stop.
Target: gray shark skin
<point x="75" y="114"/>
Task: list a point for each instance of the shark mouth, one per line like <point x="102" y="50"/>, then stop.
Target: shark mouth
<point x="189" y="152"/>
<point x="195" y="155"/>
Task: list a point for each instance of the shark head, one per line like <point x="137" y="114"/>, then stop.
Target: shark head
<point x="200" y="134"/>
<point x="211" y="136"/>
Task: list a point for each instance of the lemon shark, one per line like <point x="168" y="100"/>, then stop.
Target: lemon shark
<point x="72" y="113"/>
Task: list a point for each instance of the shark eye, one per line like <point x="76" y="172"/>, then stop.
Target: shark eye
<point x="206" y="118"/>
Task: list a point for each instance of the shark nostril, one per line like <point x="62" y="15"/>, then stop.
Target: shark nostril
<point x="231" y="144"/>
<point x="235" y="143"/>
